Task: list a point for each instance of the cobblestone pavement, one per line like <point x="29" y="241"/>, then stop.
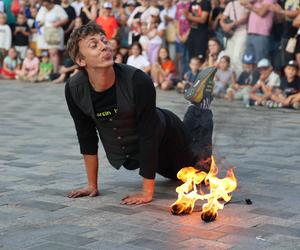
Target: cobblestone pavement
<point x="40" y="163"/>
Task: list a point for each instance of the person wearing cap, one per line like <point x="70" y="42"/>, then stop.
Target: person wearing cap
<point x="248" y="78"/>
<point x="107" y="21"/>
<point x="289" y="86"/>
<point x="119" y="102"/>
<point x="46" y="67"/>
<point x="266" y="84"/>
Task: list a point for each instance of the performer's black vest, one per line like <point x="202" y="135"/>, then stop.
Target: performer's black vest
<point x="118" y="134"/>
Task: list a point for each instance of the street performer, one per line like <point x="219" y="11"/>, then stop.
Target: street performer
<point x="119" y="102"/>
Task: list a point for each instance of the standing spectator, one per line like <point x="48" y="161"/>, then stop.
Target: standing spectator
<point x="163" y="72"/>
<point x="9" y="15"/>
<point x="198" y="16"/>
<point x="167" y="16"/>
<point x="69" y="26"/>
<point x="247" y="79"/>
<point x="155" y="33"/>
<point x="259" y="28"/>
<point x="296" y="24"/>
<point x="214" y="53"/>
<point x="5" y="37"/>
<point x="267" y="83"/>
<point x="30" y="67"/>
<point x="77" y="5"/>
<point x="107" y="21"/>
<point x="11" y="64"/>
<point x="52" y="17"/>
<point x="123" y="31"/>
<point x="21" y="34"/>
<point x="218" y="8"/>
<point x="88" y="12"/>
<point x="182" y="31"/>
<point x="34" y="29"/>
<point x="290" y="11"/>
<point x="224" y="77"/>
<point x="137" y="59"/>
<point x="235" y="45"/>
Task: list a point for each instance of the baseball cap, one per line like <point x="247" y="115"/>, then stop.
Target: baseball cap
<point x="292" y="63"/>
<point x="107" y="5"/>
<point x="248" y="59"/>
<point x="264" y="63"/>
<point x="45" y="53"/>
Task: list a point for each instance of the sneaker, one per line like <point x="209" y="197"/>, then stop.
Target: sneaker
<point x="296" y="105"/>
<point x="202" y="87"/>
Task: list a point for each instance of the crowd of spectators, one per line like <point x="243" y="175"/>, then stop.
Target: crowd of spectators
<point x="254" y="43"/>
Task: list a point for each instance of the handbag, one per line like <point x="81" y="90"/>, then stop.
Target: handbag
<point x="171" y="33"/>
<point x="291" y="45"/>
<point x="15" y="7"/>
<point x="228" y="21"/>
<point x="52" y="35"/>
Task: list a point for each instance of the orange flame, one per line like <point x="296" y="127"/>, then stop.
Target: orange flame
<point x="218" y="189"/>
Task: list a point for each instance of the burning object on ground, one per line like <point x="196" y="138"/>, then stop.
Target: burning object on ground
<point x="190" y="191"/>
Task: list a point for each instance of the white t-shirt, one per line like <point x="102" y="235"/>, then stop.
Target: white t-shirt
<point x="77" y="6"/>
<point x="157" y="39"/>
<point x="273" y="80"/>
<point x="171" y="12"/>
<point x="5" y="37"/>
<point x="139" y="62"/>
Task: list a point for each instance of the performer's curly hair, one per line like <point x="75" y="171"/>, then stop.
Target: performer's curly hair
<point x="78" y="34"/>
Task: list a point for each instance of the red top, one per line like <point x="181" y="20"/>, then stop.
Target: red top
<point x="108" y="24"/>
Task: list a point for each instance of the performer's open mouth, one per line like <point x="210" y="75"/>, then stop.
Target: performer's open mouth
<point x="190" y="191"/>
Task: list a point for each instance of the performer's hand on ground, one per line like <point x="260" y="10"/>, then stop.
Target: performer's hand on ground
<point x="136" y="199"/>
<point x="87" y="191"/>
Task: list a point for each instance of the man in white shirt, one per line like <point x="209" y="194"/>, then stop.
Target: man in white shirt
<point x="77" y="5"/>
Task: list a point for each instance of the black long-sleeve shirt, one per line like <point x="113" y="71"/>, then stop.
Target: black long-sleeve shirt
<point x="147" y="121"/>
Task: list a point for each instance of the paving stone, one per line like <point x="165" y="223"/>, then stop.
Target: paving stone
<point x="152" y="244"/>
<point x="54" y="246"/>
<point x="280" y="230"/>
<point x="69" y="239"/>
<point x="43" y="205"/>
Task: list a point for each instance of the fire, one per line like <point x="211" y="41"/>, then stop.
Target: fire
<point x="188" y="192"/>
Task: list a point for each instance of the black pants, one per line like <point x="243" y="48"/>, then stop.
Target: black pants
<point x="197" y="43"/>
<point x="187" y="143"/>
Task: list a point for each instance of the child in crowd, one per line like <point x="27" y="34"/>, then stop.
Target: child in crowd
<point x="68" y="69"/>
<point x="21" y="34"/>
<point x="267" y="83"/>
<point x="289" y="86"/>
<point x="137" y="59"/>
<point x="247" y="79"/>
<point x="163" y="72"/>
<point x="46" y="67"/>
<point x="155" y="33"/>
<point x="11" y="64"/>
<point x="224" y="77"/>
<point x="190" y="76"/>
<point x="5" y="37"/>
<point x="30" y="67"/>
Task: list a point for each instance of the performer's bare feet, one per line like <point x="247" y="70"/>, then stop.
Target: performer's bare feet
<point x="87" y="191"/>
<point x="136" y="199"/>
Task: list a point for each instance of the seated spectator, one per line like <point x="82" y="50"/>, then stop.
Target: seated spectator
<point x="30" y="67"/>
<point x="247" y="79"/>
<point x="289" y="86"/>
<point x="190" y="76"/>
<point x="68" y="69"/>
<point x="107" y="21"/>
<point x="21" y="34"/>
<point x="224" y="77"/>
<point x="294" y="101"/>
<point x="5" y="37"/>
<point x="267" y="83"/>
<point x="46" y="68"/>
<point x="163" y="72"/>
<point x="11" y="64"/>
<point x="137" y="59"/>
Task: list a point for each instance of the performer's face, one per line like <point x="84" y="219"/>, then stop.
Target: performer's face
<point x="96" y="51"/>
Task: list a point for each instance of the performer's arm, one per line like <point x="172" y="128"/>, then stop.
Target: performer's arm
<point x="88" y="142"/>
